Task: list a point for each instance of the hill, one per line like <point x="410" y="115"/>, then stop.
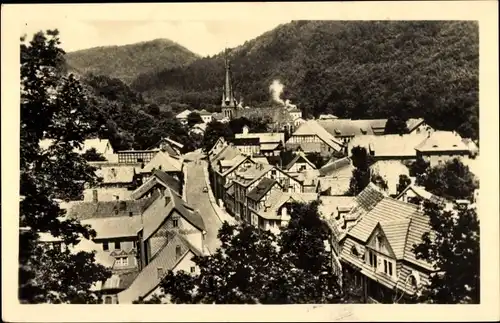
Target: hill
<point x="355" y="69"/>
<point x="126" y="62"/>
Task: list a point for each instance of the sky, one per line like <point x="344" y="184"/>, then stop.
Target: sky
<point x="203" y="37"/>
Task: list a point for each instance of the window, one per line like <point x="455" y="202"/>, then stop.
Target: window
<point x="108" y="300"/>
<point x="117" y="245"/>
<point x="121" y="261"/>
<point x="372" y="259"/>
<point x="390" y="268"/>
<point x="175" y="223"/>
<point x="134" y="244"/>
<point x="105" y="246"/>
<point x="177" y="251"/>
<point x="192" y="269"/>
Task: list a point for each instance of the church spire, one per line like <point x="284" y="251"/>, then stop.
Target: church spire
<point x="228" y="94"/>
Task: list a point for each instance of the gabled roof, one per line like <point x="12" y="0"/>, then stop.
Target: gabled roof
<point x="346" y="127"/>
<point x="413" y="123"/>
<point x="148" y="279"/>
<point x="115" y="227"/>
<point x="261" y="189"/>
<point x="162" y="208"/>
<point x="158" y="177"/>
<point x="201" y="126"/>
<point x="277" y="198"/>
<point x="106" y="209"/>
<point x="247" y="176"/>
<point x="164" y="162"/>
<point x="183" y="114"/>
<point x="442" y="141"/>
<point x="333" y="167"/>
<point x="365" y="201"/>
<point x="312" y="127"/>
<point x="402" y="223"/>
<point x="227" y="152"/>
<point x="421" y="192"/>
<point x="299" y="156"/>
<point x="165" y="145"/>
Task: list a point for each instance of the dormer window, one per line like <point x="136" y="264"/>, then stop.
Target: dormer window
<point x="355" y="251"/>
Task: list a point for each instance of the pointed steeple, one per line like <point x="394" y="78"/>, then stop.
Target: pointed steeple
<point x="228" y="99"/>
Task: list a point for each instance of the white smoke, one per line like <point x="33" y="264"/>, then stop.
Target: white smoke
<point x="276" y="89"/>
<point x="289" y="104"/>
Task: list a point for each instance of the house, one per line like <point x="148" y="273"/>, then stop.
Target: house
<point x="326" y="117"/>
<point x="136" y="156"/>
<point x="206" y="116"/>
<point x="297" y="122"/>
<point x="441" y="146"/>
<point x="388" y="147"/>
<point x="295" y="113"/>
<point x="182" y="117"/>
<point x="268" y="205"/>
<point x="170" y="235"/>
<point x="163" y="161"/>
<point x="217" y="147"/>
<point x="417" y="194"/>
<point x="271" y="143"/>
<point x="390" y="170"/>
<point x="335" y="176"/>
<point x="247" y="178"/>
<point x="117" y="182"/>
<point x="363" y="203"/>
<point x="377" y="253"/>
<point x="299" y="163"/>
<point x="101" y="146"/>
<point x="219" y="117"/>
<point x="248" y="146"/>
<point x="169" y="146"/>
<point x="159" y="180"/>
<point x="418" y="126"/>
<point x="311" y="137"/>
<point x="309" y="179"/>
<point x="198" y="129"/>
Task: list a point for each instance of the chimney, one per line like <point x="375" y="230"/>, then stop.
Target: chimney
<point x="160" y="272"/>
<point x="94" y="196"/>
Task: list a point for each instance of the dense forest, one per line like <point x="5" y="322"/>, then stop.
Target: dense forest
<point x="126" y="62"/>
<point x="351" y="69"/>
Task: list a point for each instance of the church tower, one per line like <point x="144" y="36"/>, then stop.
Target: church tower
<point x="229" y="103"/>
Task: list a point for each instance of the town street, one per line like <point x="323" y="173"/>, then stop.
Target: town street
<point x="197" y="199"/>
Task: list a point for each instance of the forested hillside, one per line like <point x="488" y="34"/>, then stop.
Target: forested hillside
<point x="126" y="62"/>
<point x="351" y="69"/>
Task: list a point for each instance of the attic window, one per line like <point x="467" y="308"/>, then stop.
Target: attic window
<point x="354" y="251"/>
<point x="454" y="145"/>
<point x="434" y="146"/>
<point x="177" y="251"/>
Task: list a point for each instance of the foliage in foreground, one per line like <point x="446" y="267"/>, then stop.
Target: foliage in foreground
<point x="53" y="106"/>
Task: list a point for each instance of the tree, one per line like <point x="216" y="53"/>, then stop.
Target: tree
<point x="316" y="159"/>
<point x="419" y="167"/>
<point x="453" y="246"/>
<point x="53" y="107"/>
<point x="193" y="118"/>
<point x="92" y="155"/>
<point x="379" y="181"/>
<point x="395" y="125"/>
<point x="255" y="266"/>
<point x="213" y="132"/>
<point x="452" y="180"/>
<point x="361" y="173"/>
<point x="403" y="183"/>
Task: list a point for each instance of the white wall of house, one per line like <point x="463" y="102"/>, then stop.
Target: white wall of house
<point x="439" y="159"/>
<point x="300" y="166"/>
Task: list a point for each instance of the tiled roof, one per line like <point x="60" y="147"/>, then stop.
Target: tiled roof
<point x="162" y="208"/>
<point x="228" y="152"/>
<point x="261" y="160"/>
<point x="247" y="176"/>
<point x="105" y="209"/>
<point x="115" y="227"/>
<point x="270" y="146"/>
<point x="346" y="127"/>
<point x="390" y="170"/>
<point x="261" y="189"/>
<point x="312" y="127"/>
<point x="442" y="141"/>
<point x="116" y="175"/>
<point x="365" y="201"/>
<point x="299" y="156"/>
<point x="148" y="279"/>
<point x="331" y="168"/>
<point x="403" y="225"/>
<point x="277" y="198"/>
<point x="420" y="191"/>
<point x="395" y="232"/>
<point x="165" y="162"/>
<point x="158" y="177"/>
<point x="165" y="145"/>
<point x="334" y="185"/>
<point x="386" y="210"/>
<point x="183" y="114"/>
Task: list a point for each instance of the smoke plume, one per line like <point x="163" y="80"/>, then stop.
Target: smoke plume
<point x="276" y="89"/>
